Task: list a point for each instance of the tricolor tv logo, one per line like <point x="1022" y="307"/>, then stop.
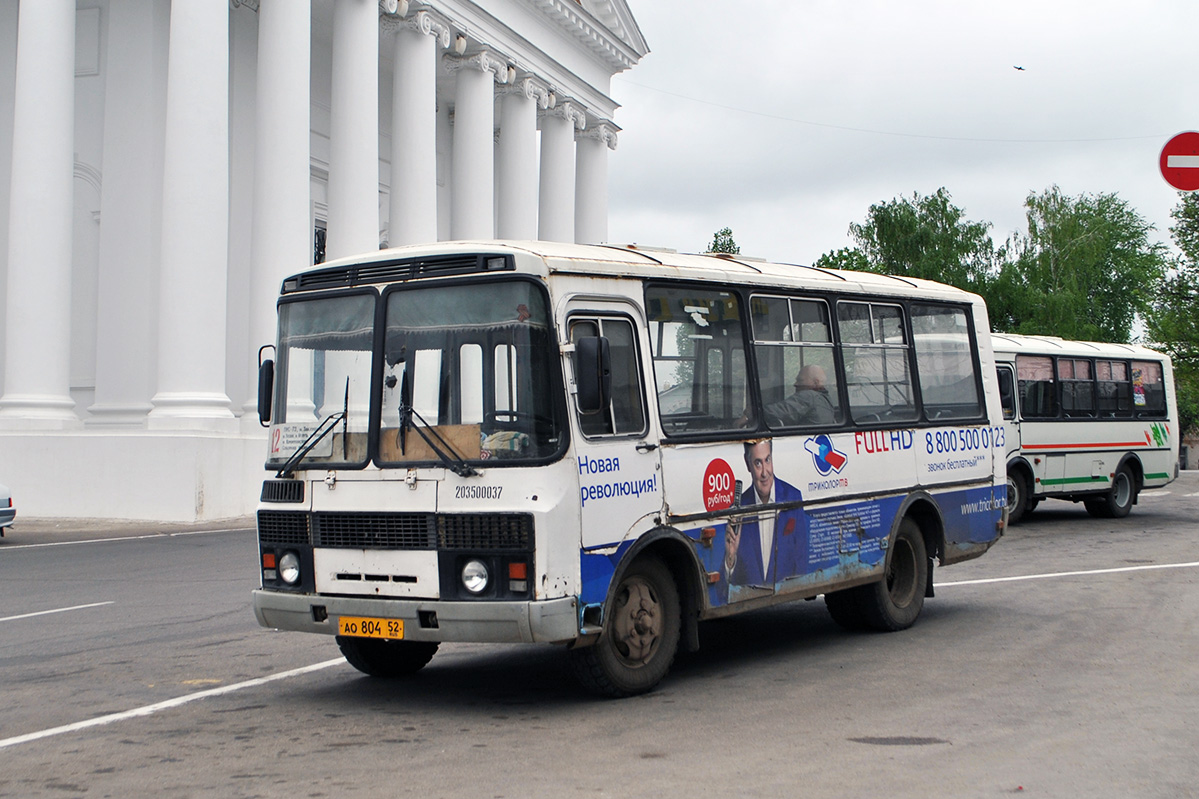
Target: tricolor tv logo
<point x="824" y="455"/>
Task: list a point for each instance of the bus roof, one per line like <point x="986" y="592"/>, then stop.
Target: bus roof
<point x="648" y="262"/>
<point x="1053" y="345"/>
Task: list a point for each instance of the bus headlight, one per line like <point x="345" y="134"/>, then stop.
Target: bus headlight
<point x="289" y="568"/>
<point x="475" y="577"/>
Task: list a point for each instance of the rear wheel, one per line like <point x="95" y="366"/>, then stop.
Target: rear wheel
<point x="844" y="607"/>
<point x="380" y="658"/>
<point x="640" y="636"/>
<point x="895" y="602"/>
<point x="1118" y="500"/>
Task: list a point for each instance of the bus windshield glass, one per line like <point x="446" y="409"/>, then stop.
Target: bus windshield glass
<point x="468" y="375"/>
<point x="323" y="371"/>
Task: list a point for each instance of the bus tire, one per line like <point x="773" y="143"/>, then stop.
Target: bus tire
<point x="380" y="658"/>
<point x="1118" y="500"/>
<point x="894" y="603"/>
<point x="641" y="633"/>
<point x="845" y="608"/>
<point x="1017" y="496"/>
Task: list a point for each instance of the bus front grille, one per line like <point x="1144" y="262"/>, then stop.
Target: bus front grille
<point x="343" y="530"/>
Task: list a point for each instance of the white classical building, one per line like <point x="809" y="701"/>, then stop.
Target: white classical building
<point x="163" y="165"/>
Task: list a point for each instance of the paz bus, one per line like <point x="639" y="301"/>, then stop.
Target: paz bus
<point x="1085" y="421"/>
<point x="600" y="447"/>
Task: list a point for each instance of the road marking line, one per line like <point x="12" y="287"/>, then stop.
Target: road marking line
<point x="1190" y="565"/>
<point x="8" y="547"/>
<point x="166" y="705"/>
<point x="56" y="610"/>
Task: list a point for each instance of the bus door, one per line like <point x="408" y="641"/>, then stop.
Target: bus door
<point x="1008" y="400"/>
<point x="620" y="482"/>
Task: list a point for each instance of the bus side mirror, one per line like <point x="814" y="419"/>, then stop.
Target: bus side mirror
<point x="266" y="385"/>
<point x="593" y="374"/>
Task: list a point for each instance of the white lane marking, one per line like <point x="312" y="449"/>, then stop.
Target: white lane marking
<point x="8" y="547"/>
<point x="56" y="610"/>
<point x="1195" y="494"/>
<point x="1046" y="576"/>
<point x="148" y="710"/>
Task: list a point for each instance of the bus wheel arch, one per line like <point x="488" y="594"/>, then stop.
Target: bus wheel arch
<point x="651" y="608"/>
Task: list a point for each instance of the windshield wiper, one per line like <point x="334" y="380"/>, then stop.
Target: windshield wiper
<point x="453" y="461"/>
<point x="327" y="424"/>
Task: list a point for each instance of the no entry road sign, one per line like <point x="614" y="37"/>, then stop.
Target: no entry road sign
<point x="1180" y="161"/>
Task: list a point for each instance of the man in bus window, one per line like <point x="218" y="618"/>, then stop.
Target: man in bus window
<point x="810" y="404"/>
<point x="771" y="546"/>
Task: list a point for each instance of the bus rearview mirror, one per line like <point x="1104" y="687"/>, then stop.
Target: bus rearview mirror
<point x="266" y="382"/>
<point x="593" y="373"/>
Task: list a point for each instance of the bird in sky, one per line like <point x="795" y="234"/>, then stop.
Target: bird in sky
<point x="1019" y="68"/>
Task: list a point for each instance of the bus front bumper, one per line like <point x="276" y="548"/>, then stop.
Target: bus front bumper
<point x="550" y="621"/>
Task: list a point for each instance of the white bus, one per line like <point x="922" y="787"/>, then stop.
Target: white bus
<point x="1088" y="422"/>
<point x="601" y="447"/>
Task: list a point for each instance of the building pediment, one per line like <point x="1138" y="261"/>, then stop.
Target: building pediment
<point x="606" y="27"/>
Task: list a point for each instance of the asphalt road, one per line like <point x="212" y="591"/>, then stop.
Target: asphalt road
<point x="1063" y="663"/>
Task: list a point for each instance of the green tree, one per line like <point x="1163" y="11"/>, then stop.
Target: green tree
<point x="1085" y="270"/>
<point x="924" y="237"/>
<point x="845" y="258"/>
<point x="723" y="242"/>
<point x="1173" y="327"/>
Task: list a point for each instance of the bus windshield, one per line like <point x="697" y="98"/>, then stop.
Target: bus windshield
<point x="467" y="374"/>
<point x="323" y="369"/>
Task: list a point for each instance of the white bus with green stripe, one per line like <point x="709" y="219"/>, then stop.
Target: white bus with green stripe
<point x="1085" y="421"/>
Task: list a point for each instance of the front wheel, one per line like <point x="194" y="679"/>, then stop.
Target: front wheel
<point x="380" y="658"/>
<point x="1017" y="496"/>
<point x="895" y="602"/>
<point x="641" y="631"/>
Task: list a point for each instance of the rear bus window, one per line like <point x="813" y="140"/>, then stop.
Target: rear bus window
<point x="1148" y="389"/>
<point x="945" y="362"/>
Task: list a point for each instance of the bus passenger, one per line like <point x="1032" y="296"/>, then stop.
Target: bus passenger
<point x="810" y="404"/>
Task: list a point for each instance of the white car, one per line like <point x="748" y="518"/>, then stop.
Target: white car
<point x="8" y="511"/>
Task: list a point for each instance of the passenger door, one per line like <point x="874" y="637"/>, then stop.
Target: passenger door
<point x="620" y="487"/>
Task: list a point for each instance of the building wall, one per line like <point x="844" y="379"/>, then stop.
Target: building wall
<point x="108" y="458"/>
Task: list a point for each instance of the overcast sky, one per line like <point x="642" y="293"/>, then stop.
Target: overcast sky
<point x="785" y="120"/>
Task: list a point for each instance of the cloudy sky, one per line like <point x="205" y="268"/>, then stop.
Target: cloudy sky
<point x="785" y="120"/>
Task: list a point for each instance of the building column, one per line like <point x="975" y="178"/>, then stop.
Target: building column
<point x="591" y="183"/>
<point x="556" y="210"/>
<point x="517" y="167"/>
<point x="353" y="225"/>
<point x="195" y="223"/>
<point x="472" y="176"/>
<point x="37" y="379"/>
<point x="413" y="205"/>
<point x="282" y="237"/>
<point x="130" y="197"/>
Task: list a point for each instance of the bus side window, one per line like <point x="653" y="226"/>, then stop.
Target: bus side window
<point x="626" y="413"/>
<point x="797" y="372"/>
<point x="1148" y="390"/>
<point x="699" y="358"/>
<point x="874" y="347"/>
<point x="1038" y="389"/>
<point x="1078" y="389"/>
<point x="1113" y="389"/>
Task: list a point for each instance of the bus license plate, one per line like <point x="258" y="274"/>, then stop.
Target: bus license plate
<point x="365" y="627"/>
